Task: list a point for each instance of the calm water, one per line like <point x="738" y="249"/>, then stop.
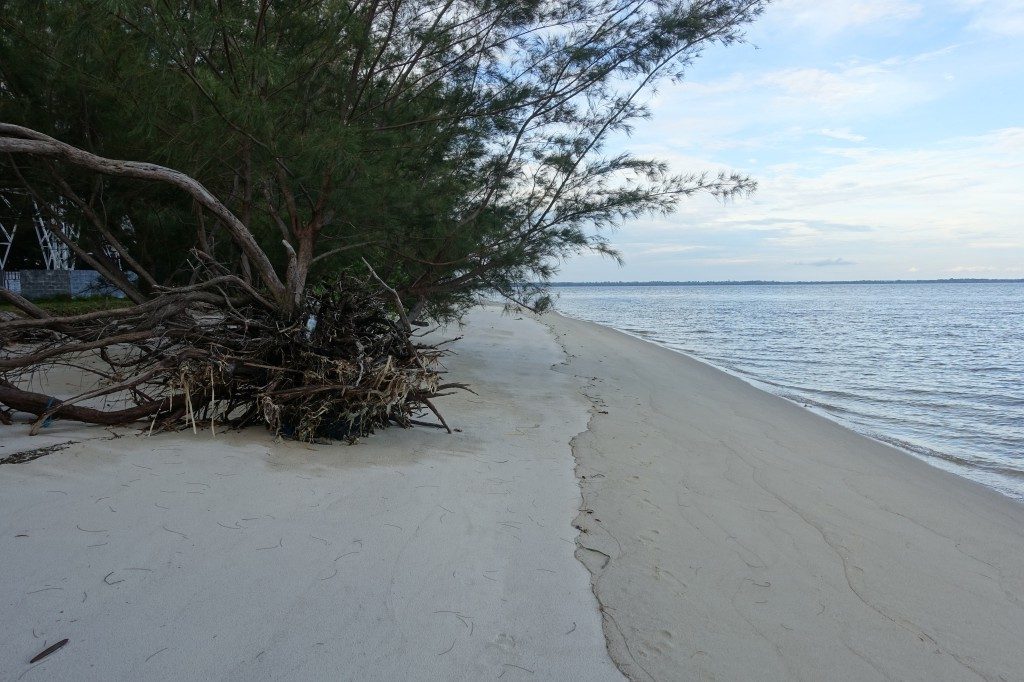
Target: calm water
<point x="936" y="369"/>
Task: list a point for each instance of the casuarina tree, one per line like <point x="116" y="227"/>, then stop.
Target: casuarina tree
<point x="285" y="190"/>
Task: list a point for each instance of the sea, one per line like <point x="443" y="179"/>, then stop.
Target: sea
<point x="935" y="369"/>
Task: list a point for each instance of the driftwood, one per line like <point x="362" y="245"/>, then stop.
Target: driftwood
<point x="212" y="354"/>
<point x="40" y="404"/>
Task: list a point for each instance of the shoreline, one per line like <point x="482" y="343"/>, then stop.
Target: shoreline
<point x="610" y="506"/>
<point x="732" y="533"/>
<point x="942" y="461"/>
<point x="783" y="282"/>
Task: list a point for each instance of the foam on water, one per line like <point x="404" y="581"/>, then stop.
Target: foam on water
<point x="934" y="369"/>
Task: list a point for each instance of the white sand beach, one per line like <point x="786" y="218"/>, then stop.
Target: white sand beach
<point x="412" y="555"/>
<point x="729" y="535"/>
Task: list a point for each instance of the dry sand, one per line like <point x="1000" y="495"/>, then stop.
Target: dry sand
<point x="733" y="535"/>
<point x="730" y="535"/>
<point x="413" y="555"/>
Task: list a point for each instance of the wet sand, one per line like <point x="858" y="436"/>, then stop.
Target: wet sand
<point x="734" y="535"/>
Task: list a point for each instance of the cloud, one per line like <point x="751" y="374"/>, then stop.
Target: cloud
<point x="864" y="88"/>
<point x="972" y="269"/>
<point x="1001" y="17"/>
<point x="878" y="155"/>
<point x="842" y="134"/>
<point x="965" y="186"/>
<point x="784" y="106"/>
<point x="826" y="18"/>
<point x="996" y="244"/>
<point x="826" y="262"/>
<point x="663" y="249"/>
<point x="726" y="261"/>
<point x="822" y="87"/>
<point x="876" y="206"/>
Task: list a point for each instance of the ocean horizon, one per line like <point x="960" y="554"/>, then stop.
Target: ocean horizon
<point x="781" y="282"/>
<point x="934" y="369"/>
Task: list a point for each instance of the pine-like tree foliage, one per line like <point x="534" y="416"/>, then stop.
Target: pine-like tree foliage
<point x="457" y="146"/>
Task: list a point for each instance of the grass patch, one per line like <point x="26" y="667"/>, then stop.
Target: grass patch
<point x="65" y="305"/>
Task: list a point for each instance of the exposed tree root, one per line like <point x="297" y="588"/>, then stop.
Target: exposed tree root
<point x="212" y="353"/>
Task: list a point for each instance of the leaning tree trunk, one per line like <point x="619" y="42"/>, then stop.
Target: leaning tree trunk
<point x="16" y="139"/>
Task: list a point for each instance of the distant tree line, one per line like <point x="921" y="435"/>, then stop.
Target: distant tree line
<point x="774" y="282"/>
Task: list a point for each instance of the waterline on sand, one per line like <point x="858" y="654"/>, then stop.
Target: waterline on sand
<point x="932" y="369"/>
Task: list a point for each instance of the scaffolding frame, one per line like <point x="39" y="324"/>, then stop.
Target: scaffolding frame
<point x="8" y="228"/>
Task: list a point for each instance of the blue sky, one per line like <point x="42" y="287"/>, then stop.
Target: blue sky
<point x="887" y="137"/>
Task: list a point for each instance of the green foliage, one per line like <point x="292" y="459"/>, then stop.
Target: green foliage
<point x="60" y="306"/>
<point x="457" y="146"/>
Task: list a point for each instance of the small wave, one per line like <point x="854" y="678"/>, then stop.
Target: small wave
<point x="966" y="463"/>
<point x="900" y="364"/>
<point x="816" y="404"/>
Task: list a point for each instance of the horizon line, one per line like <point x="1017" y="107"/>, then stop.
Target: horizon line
<point x="948" y="280"/>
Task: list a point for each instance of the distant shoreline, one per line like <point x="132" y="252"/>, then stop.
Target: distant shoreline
<point x="768" y="282"/>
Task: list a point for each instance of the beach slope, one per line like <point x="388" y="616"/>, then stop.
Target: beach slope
<point x="734" y="535"/>
<point x="414" y="555"/>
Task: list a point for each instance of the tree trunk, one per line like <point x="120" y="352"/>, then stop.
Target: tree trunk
<point x="34" y="143"/>
<point x="39" y="403"/>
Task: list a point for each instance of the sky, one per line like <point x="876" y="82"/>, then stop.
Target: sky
<point x="886" y="137"/>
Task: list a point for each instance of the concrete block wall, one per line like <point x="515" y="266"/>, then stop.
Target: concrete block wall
<point x="11" y="281"/>
<point x="37" y="284"/>
<point x="83" y="283"/>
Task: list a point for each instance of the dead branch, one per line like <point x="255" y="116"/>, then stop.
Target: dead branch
<point x="211" y="352"/>
<point x="308" y="362"/>
<point x="16" y="139"/>
<point x="39" y="403"/>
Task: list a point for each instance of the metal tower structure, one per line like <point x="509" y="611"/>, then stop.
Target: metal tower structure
<point x="56" y="254"/>
<point x="8" y="228"/>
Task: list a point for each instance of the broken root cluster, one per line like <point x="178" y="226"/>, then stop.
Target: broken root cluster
<point x="216" y="354"/>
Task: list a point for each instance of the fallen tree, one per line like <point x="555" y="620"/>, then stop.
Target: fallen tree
<point x="337" y="362"/>
<point x="213" y="354"/>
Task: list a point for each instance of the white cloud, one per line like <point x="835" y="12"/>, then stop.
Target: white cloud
<point x="829" y="17"/>
<point x="842" y="134"/>
<point x="972" y="269"/>
<point x="996" y="244"/>
<point x="862" y="88"/>
<point x="1002" y="17"/>
<point x="859" y="152"/>
<point x="826" y="262"/>
<point x="662" y="249"/>
<point x="824" y="88"/>
<point x="878" y="207"/>
<point x="725" y="261"/>
<point x="964" y="189"/>
<point x="774" y="108"/>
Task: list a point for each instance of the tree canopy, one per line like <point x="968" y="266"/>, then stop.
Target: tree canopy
<point x="457" y="145"/>
<point x="253" y="157"/>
